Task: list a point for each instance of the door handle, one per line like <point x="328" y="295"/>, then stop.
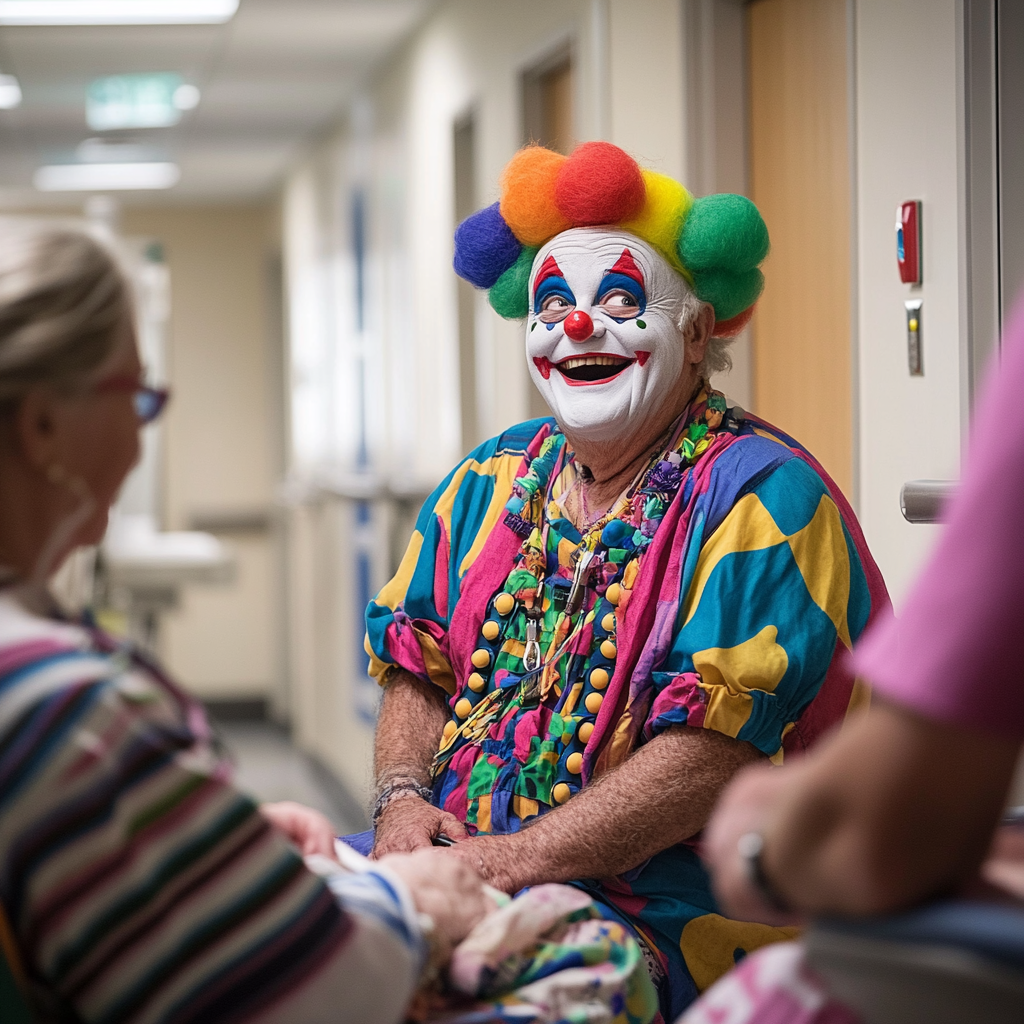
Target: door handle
<point x="922" y="501"/>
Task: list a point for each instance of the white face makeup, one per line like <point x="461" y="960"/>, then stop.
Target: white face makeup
<point x="602" y="338"/>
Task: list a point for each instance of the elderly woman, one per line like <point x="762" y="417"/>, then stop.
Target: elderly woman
<point x="136" y="883"/>
<point x="602" y="616"/>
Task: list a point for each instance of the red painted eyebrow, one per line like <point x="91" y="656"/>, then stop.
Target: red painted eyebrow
<point x="549" y="268"/>
<point x="627" y="265"/>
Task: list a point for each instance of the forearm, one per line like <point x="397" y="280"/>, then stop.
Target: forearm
<point x="412" y="716"/>
<point x="893" y="810"/>
<point x="662" y="795"/>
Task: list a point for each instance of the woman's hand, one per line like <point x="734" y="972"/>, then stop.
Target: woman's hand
<point x="309" y="830"/>
<point x="409" y="823"/>
<point x="445" y="888"/>
<point x="745" y="806"/>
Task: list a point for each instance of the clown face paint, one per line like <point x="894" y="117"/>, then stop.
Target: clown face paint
<point x="603" y="338"/>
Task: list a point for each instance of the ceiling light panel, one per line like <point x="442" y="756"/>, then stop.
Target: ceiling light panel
<point x="95" y="177"/>
<point x="116" y="12"/>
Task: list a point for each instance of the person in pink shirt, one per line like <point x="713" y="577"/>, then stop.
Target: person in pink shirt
<point x="902" y="805"/>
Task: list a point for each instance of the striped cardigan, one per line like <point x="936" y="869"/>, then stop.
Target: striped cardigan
<point x="139" y="884"/>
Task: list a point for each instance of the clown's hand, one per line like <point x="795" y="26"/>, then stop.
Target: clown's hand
<point x="410" y="823"/>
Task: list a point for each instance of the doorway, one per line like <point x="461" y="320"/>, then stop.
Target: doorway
<point x="800" y="178"/>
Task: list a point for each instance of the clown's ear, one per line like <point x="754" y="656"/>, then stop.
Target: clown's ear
<point x="510" y="295"/>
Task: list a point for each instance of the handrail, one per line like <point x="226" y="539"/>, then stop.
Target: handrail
<point x="922" y="501"/>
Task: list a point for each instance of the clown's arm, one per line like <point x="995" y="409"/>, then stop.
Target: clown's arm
<point x="776" y="586"/>
<point x="405" y="626"/>
<point x="402" y="754"/>
<point x="662" y="795"/>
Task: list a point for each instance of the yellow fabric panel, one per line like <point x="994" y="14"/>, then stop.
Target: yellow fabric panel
<point x="771" y="437"/>
<point x="503" y="468"/>
<point x="727" y="712"/>
<point x="563" y="482"/>
<point x="565" y="551"/>
<point x="514" y="647"/>
<point x="860" y="697"/>
<point x="820" y="551"/>
<point x="709" y="943"/>
<point x="748" y="527"/>
<point x="728" y="674"/>
<point x="523" y="807"/>
<point x="756" y="664"/>
<point x="629" y="574"/>
<point x="779" y="757"/>
<point x="438" y="668"/>
<point x="392" y="594"/>
<point x="377" y="667"/>
<point x="483" y="813"/>
<point x="618" y="747"/>
<point x="572" y="700"/>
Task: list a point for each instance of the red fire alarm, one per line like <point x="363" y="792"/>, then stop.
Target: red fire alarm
<point x="908" y="241"/>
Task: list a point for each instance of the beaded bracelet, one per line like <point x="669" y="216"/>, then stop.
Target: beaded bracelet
<point x="394" y="790"/>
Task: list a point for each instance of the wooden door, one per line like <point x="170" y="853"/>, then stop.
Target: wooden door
<point x="800" y="180"/>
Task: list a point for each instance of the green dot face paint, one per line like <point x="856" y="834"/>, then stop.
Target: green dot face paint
<point x="641" y="325"/>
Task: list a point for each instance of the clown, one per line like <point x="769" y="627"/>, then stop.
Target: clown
<point x="603" y="615"/>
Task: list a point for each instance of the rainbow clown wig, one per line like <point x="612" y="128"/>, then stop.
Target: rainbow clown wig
<point x="717" y="243"/>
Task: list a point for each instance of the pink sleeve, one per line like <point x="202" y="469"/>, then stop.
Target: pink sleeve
<point x="955" y="654"/>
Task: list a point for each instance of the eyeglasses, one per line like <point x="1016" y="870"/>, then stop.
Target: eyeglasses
<point x="149" y="402"/>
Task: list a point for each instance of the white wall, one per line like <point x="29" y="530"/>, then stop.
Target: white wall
<point x="907" y="82"/>
<point x="222" y="450"/>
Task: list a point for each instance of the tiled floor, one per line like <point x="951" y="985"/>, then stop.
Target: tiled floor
<point x="271" y="768"/>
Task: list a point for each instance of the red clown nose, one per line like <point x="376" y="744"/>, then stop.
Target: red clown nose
<point x="579" y="326"/>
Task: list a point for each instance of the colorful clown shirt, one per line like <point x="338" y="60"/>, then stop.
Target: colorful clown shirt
<point x="721" y="592"/>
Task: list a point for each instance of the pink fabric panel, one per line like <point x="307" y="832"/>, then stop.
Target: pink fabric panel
<point x="441" y="560"/>
<point x="17" y="655"/>
<point x="483" y="579"/>
<point x="772" y="986"/>
<point x="645" y="632"/>
<point x="404" y="646"/>
<point x="683" y="691"/>
<point x="955" y="653"/>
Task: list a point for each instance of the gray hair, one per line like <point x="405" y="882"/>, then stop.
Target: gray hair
<point x="63" y="300"/>
<point x="717" y="357"/>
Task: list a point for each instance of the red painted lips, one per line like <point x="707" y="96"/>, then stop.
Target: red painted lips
<point x="589" y="367"/>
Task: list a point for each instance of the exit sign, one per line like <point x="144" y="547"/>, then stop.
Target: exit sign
<point x="136" y="101"/>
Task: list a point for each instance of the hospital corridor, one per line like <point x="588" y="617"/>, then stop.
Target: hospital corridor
<point x="509" y="511"/>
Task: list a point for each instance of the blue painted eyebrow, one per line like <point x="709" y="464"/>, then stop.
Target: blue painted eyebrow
<point x="552" y="286"/>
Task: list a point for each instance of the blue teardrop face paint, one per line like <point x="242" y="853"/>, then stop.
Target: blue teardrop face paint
<point x="605" y="385"/>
